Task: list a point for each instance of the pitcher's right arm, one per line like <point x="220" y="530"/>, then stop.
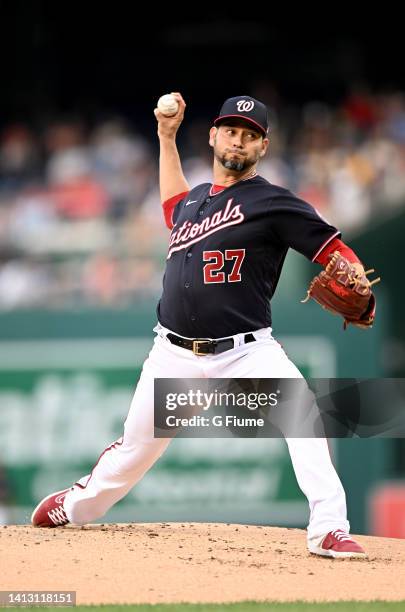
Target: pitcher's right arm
<point x="172" y="181"/>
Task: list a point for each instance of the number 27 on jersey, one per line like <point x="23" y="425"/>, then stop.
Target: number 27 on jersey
<point x="212" y="270"/>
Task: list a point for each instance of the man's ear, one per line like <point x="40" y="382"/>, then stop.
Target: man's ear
<point x="265" y="146"/>
<point x="213" y="133"/>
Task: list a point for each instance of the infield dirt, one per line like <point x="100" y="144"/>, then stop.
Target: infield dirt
<point x="193" y="562"/>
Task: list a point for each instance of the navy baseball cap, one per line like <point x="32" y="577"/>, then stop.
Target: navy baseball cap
<point x="246" y="108"/>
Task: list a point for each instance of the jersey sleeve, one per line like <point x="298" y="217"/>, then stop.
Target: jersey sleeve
<point x="170" y="208"/>
<point x="298" y="225"/>
<point x="336" y="245"/>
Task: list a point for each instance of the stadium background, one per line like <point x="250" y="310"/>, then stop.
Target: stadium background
<point x="82" y="241"/>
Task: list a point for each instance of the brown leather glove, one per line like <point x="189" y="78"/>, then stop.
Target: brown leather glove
<point x="344" y="289"/>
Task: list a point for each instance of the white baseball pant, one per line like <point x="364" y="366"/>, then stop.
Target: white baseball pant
<point x="126" y="461"/>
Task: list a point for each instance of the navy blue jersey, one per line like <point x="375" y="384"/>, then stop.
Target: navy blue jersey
<point x="226" y="253"/>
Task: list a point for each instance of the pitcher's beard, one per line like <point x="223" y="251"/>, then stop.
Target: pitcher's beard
<point x="234" y="163"/>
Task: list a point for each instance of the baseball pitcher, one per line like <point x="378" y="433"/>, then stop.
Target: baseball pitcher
<point x="227" y="245"/>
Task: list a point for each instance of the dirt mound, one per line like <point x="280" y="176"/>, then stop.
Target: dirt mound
<point x="194" y="562"/>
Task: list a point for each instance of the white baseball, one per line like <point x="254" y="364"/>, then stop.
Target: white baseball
<point x="168" y="105"/>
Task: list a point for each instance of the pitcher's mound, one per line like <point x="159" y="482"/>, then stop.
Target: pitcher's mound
<point x="194" y="562"/>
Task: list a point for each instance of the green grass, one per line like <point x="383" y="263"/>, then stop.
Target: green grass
<point x="248" y="606"/>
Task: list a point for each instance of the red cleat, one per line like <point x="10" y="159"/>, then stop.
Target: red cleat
<point x="50" y="511"/>
<point x="337" y="544"/>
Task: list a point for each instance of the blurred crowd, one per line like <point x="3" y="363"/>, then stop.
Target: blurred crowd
<point x="80" y="215"/>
